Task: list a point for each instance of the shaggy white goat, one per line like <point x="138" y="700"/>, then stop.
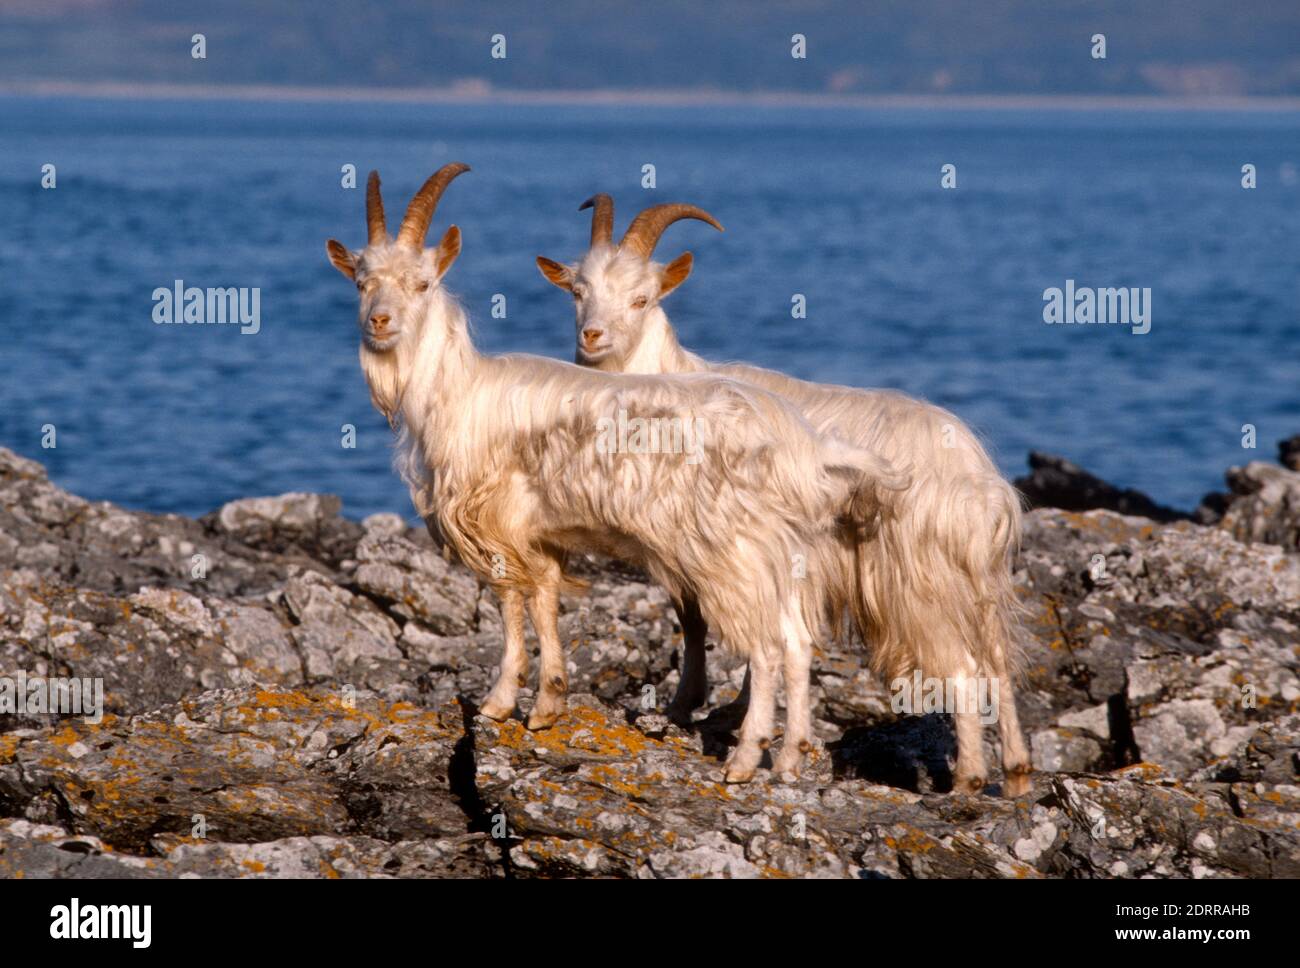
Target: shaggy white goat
<point x="506" y="454"/>
<point x="934" y="589"/>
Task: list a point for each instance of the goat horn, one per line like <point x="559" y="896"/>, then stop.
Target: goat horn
<point x="375" y="210"/>
<point x="643" y="234"/>
<point x="602" y="219"/>
<point x="415" y="225"/>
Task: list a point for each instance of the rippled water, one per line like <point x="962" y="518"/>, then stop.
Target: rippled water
<point x="937" y="292"/>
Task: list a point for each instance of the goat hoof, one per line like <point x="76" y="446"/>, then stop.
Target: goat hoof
<point x="1017" y="783"/>
<point x="543" y="718"/>
<point x="788" y="764"/>
<point x="496" y="710"/>
<point x="968" y="784"/>
<point x="738" y="774"/>
<point x="742" y="765"/>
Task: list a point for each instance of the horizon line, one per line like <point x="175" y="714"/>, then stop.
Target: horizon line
<point x="642" y="97"/>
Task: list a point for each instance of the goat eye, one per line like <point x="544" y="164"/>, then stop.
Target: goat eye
<point x="422" y="286"/>
<point x="639" y="302"/>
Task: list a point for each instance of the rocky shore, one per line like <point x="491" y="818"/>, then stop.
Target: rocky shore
<point x="291" y="693"/>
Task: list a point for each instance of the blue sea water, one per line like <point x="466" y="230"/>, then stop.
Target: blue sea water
<point x="937" y="292"/>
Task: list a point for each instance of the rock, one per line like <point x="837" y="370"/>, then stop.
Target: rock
<point x="304" y="523"/>
<point x="467" y="855"/>
<point x="1062" y="750"/>
<point x="106" y="549"/>
<point x="1288" y="453"/>
<point x="302" y="706"/>
<point x="1264" y="506"/>
<point x="1094" y="719"/>
<point x="1263" y="501"/>
<point x="1185" y="633"/>
<point x="1055" y="482"/>
<point x="1133" y="825"/>
<point x="30" y="850"/>
<point x="255" y="764"/>
<point x="385" y="524"/>
<point x="336" y="628"/>
<point x="1181" y="734"/>
<point x="417" y="582"/>
<point x="148" y="648"/>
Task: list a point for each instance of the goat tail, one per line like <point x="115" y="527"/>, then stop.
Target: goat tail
<point x="933" y="587"/>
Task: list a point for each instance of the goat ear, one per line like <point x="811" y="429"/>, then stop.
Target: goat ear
<point x="675" y="273"/>
<point x="341" y="258"/>
<point x="557" y="274"/>
<point x="447" y="250"/>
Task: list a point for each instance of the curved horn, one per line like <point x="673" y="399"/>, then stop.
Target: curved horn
<point x="643" y="234"/>
<point x="375" y="210"/>
<point x="602" y="219"/>
<point x="415" y="225"/>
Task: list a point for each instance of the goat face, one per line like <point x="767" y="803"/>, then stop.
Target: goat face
<point x="613" y="293"/>
<point x="395" y="284"/>
<point x="398" y="278"/>
<point x="617" y="288"/>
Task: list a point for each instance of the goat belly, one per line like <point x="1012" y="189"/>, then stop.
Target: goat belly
<point x="584" y="541"/>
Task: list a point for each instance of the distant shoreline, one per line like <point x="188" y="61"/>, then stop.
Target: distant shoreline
<point x="470" y="94"/>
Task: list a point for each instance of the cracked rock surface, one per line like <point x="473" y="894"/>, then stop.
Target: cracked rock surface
<point x="288" y="693"/>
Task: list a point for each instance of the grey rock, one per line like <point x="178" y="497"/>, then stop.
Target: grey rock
<point x="1264" y="506"/>
<point x="282" y="521"/>
<point x="1063" y="750"/>
<point x="29" y="850"/>
<point x="417" y="583"/>
<point x="309" y="694"/>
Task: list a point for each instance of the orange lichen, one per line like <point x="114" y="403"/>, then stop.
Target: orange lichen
<point x="606" y="776"/>
<point x="606" y="739"/>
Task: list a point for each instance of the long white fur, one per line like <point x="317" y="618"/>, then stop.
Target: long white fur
<point x="502" y="452"/>
<point x="932" y="589"/>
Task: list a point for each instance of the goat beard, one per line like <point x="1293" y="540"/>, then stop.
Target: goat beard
<point x="385" y="384"/>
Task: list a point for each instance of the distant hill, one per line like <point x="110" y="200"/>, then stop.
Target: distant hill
<point x="1180" y="47"/>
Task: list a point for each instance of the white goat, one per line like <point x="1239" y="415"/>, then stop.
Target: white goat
<point x="504" y="453"/>
<point x="934" y="590"/>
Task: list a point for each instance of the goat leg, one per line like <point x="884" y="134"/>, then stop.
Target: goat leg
<point x="553" y="683"/>
<point x="693" y="687"/>
<point x="756" y="730"/>
<point x="798" y="708"/>
<point x="500" y="702"/>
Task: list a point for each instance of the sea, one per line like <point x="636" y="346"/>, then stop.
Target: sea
<point x="877" y="247"/>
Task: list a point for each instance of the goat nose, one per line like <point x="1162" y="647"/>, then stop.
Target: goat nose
<point x="592" y="335"/>
<point x="380" y="321"/>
